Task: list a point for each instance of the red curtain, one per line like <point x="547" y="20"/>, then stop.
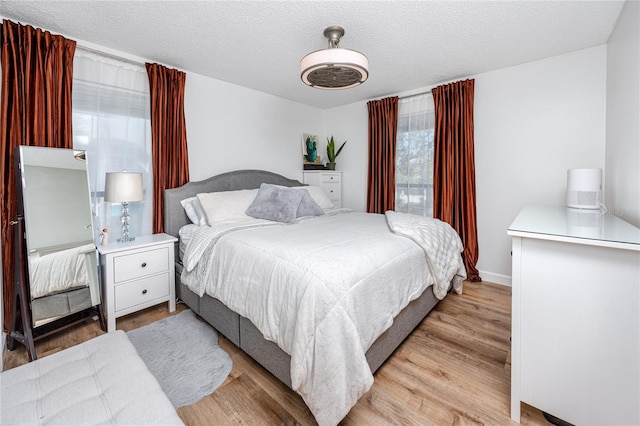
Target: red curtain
<point x="37" y="76"/>
<point x="454" y="176"/>
<point x="170" y="157"/>
<point x="381" y="175"/>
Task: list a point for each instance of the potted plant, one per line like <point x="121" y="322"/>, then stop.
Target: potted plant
<point x="332" y="153"/>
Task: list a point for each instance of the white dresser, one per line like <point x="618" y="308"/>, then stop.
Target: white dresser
<point x="575" y="315"/>
<point x="136" y="275"/>
<point x="330" y="181"/>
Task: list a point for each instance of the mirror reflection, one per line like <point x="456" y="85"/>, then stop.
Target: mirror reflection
<point x="62" y="259"/>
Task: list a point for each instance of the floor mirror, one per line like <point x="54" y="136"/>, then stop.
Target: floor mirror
<point x="55" y="259"/>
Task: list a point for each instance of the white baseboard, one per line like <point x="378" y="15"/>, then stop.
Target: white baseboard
<point x="496" y="278"/>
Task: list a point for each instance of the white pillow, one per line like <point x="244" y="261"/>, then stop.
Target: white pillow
<point x="194" y="210"/>
<point x="318" y="195"/>
<point x="227" y="206"/>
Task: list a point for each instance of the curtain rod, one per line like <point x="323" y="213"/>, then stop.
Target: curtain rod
<point x="123" y="59"/>
<point x="111" y="55"/>
<point x="428" y="92"/>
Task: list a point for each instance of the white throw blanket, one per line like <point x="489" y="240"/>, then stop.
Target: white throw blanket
<point x="441" y="244"/>
<point x="59" y="271"/>
<point x="323" y="289"/>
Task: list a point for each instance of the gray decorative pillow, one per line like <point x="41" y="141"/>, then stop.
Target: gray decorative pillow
<point x="308" y="207"/>
<point x="275" y="203"/>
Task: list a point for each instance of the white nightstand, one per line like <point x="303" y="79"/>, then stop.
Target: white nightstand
<point x="136" y="275"/>
<point x="330" y="181"/>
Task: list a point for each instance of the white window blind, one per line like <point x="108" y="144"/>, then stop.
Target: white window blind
<point x="111" y="121"/>
<point x="414" y="155"/>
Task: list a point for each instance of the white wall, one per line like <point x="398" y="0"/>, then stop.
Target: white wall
<point x="622" y="188"/>
<point x="350" y="123"/>
<point x="231" y="127"/>
<point x="532" y="123"/>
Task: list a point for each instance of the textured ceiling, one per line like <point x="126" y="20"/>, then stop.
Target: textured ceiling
<point x="259" y="44"/>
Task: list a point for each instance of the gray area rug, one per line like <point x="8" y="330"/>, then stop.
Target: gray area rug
<point x="182" y="352"/>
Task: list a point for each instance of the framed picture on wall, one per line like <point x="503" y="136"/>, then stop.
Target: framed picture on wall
<point x="311" y="158"/>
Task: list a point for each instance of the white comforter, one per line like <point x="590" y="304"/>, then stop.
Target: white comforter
<point x="323" y="289"/>
<point x="59" y="271"/>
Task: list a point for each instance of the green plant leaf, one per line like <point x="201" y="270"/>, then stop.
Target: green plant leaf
<point x="331" y="149"/>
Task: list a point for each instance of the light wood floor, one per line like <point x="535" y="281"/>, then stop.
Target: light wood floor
<point x="454" y="369"/>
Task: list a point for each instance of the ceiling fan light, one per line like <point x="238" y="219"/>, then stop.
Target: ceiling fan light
<point x="334" y="68"/>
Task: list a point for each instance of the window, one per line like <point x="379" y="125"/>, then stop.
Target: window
<point x="111" y="121"/>
<point x="414" y="155"/>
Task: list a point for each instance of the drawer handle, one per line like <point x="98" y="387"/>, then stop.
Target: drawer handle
<point x="144" y="264"/>
<point x="331" y="191"/>
<point x="144" y="291"/>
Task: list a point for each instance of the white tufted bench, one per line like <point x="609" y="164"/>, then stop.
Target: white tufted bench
<point x="102" y="381"/>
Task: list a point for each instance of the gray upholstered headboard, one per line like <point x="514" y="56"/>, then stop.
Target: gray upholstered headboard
<point x="175" y="216"/>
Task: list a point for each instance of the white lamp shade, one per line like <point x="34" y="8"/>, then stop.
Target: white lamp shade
<point x="123" y="187"/>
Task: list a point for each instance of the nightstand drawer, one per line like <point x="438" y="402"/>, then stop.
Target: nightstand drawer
<point x="141" y="291"/>
<point x="137" y="265"/>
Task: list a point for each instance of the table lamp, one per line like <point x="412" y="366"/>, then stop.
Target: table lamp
<point x="123" y="187"/>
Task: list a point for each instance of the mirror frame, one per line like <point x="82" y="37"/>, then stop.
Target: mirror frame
<point x="24" y="328"/>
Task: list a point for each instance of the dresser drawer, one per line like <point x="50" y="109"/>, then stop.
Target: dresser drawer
<point x="330" y="178"/>
<point x="141" y="291"/>
<point x="329" y="181"/>
<point x="333" y="190"/>
<point x="137" y="265"/>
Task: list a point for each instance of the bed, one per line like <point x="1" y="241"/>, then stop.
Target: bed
<point x="320" y="302"/>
